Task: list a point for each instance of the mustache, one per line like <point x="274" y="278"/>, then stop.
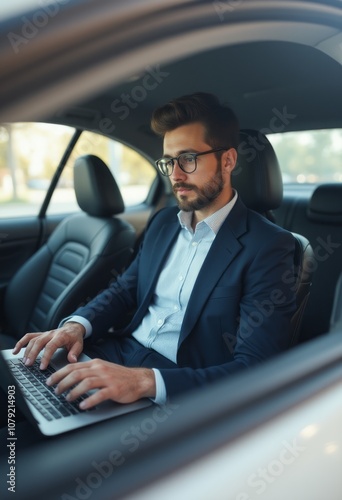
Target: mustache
<point x="184" y="185"/>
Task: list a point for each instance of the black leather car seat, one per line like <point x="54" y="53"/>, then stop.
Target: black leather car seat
<point x="85" y="252"/>
<point x="319" y="219"/>
<point x="257" y="178"/>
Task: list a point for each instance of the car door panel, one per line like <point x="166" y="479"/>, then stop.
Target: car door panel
<point x="19" y="240"/>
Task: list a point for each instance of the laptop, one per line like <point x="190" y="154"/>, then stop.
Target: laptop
<point x="50" y="413"/>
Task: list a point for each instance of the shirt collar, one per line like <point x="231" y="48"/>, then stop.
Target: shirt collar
<point x="213" y="221"/>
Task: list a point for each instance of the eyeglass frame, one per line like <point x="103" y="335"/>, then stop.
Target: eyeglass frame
<point x="176" y="158"/>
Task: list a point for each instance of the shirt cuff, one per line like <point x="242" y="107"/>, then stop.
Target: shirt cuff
<point x="161" y="395"/>
<point x="82" y="321"/>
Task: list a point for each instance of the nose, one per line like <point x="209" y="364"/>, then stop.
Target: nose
<point x="177" y="173"/>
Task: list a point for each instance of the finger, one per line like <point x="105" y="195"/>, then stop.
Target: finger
<point x="18" y="346"/>
<point x="75" y="351"/>
<point x="55" y="342"/>
<point x="23" y="342"/>
<point x="83" y="387"/>
<point x="35" y="347"/>
<point x="94" y="399"/>
<point x="67" y="376"/>
<point x="50" y="349"/>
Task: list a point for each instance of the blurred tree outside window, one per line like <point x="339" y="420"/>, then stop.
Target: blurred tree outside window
<point x="30" y="153"/>
<point x="309" y="157"/>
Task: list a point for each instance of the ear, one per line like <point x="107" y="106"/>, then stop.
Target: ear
<point x="229" y="159"/>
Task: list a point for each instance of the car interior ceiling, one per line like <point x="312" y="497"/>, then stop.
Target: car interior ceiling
<point x="254" y="79"/>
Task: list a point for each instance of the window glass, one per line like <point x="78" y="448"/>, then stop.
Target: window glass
<point x="29" y="153"/>
<point x="309" y="157"/>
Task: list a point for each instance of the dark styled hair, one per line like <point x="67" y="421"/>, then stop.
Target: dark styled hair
<point x="220" y="122"/>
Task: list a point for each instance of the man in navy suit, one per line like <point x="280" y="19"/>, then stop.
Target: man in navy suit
<point x="205" y="295"/>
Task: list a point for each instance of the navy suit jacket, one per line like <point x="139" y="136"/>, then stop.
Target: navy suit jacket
<point x="239" y="311"/>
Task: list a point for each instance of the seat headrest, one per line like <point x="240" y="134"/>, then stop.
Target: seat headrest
<point x="257" y="176"/>
<point x="96" y="190"/>
<point x="325" y="204"/>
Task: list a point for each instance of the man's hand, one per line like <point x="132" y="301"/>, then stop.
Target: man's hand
<point x="69" y="336"/>
<point x="115" y="382"/>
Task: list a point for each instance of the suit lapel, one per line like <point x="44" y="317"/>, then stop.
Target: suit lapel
<point x="162" y="245"/>
<point x="157" y="255"/>
<point x="223" y="251"/>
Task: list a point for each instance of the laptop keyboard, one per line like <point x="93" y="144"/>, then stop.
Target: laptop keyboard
<point x="32" y="383"/>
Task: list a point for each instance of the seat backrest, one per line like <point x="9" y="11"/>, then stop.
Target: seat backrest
<point x="258" y="180"/>
<point x="323" y="225"/>
<point x="83" y="255"/>
<point x="257" y="175"/>
<point x="303" y="259"/>
<point x="318" y="217"/>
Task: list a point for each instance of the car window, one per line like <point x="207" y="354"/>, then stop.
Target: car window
<point x="302" y="155"/>
<point x="30" y="153"/>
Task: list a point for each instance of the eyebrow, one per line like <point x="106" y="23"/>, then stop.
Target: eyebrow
<point x="181" y="152"/>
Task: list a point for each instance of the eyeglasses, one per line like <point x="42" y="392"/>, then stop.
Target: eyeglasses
<point x="186" y="161"/>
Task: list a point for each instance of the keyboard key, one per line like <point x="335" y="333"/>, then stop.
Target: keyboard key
<point x="32" y="383"/>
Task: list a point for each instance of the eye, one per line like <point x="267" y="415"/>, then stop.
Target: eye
<point x="188" y="158"/>
<point x="166" y="162"/>
<point x="165" y="165"/>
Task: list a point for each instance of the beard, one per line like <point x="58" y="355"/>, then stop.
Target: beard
<point x="205" y="195"/>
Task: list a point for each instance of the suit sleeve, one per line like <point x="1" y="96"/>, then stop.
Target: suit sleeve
<point x="110" y="306"/>
<point x="264" y="314"/>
